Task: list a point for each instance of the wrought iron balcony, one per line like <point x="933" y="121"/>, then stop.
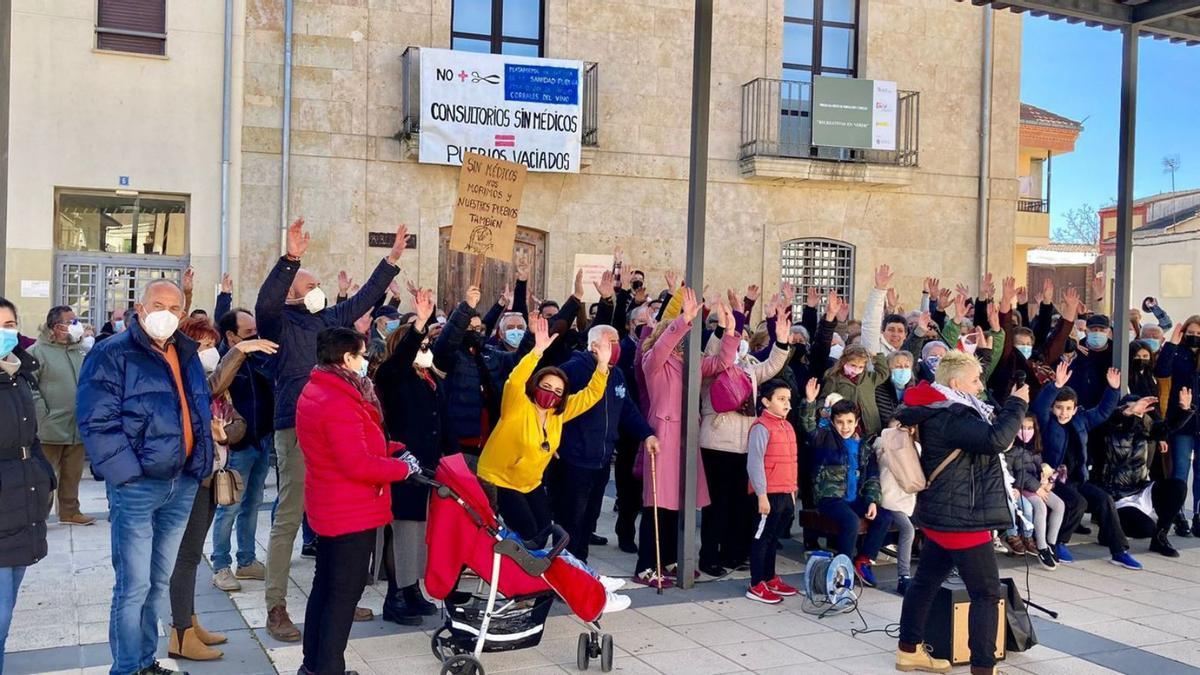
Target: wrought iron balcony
<point x="411" y="123"/>
<point x="1027" y="205"/>
<point x="777" y="122"/>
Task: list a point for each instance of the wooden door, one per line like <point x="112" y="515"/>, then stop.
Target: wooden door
<point x="455" y="270"/>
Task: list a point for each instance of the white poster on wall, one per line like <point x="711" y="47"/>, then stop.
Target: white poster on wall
<point x="517" y="108"/>
<point x="883" y="116"/>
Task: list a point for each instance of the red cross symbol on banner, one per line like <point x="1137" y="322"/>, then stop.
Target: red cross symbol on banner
<point x="463" y="75"/>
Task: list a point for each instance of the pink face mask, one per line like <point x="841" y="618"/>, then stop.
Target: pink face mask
<point x="1025" y="435"/>
<point x="852" y="372"/>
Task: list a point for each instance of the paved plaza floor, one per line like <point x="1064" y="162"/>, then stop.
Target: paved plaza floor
<point x="1110" y="619"/>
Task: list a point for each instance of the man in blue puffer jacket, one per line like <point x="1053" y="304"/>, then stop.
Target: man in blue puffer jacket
<point x="290" y="312"/>
<point x="143" y="412"/>
<point x="589" y="442"/>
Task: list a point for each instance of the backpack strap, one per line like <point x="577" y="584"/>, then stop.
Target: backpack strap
<point x="955" y="454"/>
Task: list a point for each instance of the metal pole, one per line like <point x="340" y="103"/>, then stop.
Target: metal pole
<point x="1128" y="125"/>
<point x="5" y="69"/>
<point x="1049" y="177"/>
<point x="226" y="113"/>
<point x="985" y="143"/>
<point x="697" y="192"/>
<point x="286" y="150"/>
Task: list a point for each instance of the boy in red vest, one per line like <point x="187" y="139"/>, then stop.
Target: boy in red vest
<point x="771" y="463"/>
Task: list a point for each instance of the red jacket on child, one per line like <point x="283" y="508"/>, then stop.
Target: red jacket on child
<point x="780" y="462"/>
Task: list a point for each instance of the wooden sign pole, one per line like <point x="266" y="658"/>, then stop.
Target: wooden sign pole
<point x="477" y="274"/>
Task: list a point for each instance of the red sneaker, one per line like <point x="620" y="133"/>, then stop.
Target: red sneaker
<point x="761" y="593"/>
<point x="781" y="588"/>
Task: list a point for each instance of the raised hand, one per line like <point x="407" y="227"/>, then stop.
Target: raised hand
<point x="1143" y="405"/>
<point x="394" y="289"/>
<point x="1114" y="378"/>
<point x="577" y="291"/>
<point x="752" y="292"/>
<point x="811" y="389"/>
<point x="1062" y="374"/>
<point x="344" y="282"/>
<point x="603" y="353"/>
<point x="226" y="284"/>
<point x="363" y="324"/>
<point x="542" y="339"/>
<point x="1048" y="290"/>
<point x="813" y="298"/>
<point x="473" y="295"/>
<point x="258" y="345"/>
<point x="963" y="290"/>
<point x="722" y="318"/>
<point x="522" y="269"/>
<point x="413" y="289"/>
<point x="619" y="255"/>
<point x="943" y="298"/>
<point x="1008" y="293"/>
<point x="1098" y="286"/>
<point x="1177" y="334"/>
<point x="987" y="290"/>
<point x="399" y="245"/>
<point x="1072" y="305"/>
<point x="933" y="285"/>
<point x="783" y="327"/>
<point x="788" y="293"/>
<point x="843" y="312"/>
<point x="506" y="296"/>
<point x="1185" y="398"/>
<point x="189" y="279"/>
<point x="883" y="277"/>
<point x="982" y="339"/>
<point x="993" y="312"/>
<point x="833" y="306"/>
<point x="960" y="304"/>
<point x="892" y="301"/>
<point x="605" y="287"/>
<point x="733" y="298"/>
<point x="691" y="306"/>
<point x="1022" y="295"/>
<point x="423" y="306"/>
<point x="672" y="279"/>
<point x="297" y="239"/>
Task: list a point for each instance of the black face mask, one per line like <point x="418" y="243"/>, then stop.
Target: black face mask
<point x="1141" y="364"/>
<point x="1191" y="341"/>
<point x="472" y="339"/>
<point x="636" y="284"/>
<point x="1070" y="346"/>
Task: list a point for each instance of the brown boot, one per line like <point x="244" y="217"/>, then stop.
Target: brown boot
<point x="363" y="614"/>
<point x="1015" y="545"/>
<point x="280" y="626"/>
<point x="205" y="636"/>
<point x="76" y="519"/>
<point x="185" y="644"/>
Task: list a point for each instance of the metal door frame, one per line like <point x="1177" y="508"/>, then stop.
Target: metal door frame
<point x="101" y="304"/>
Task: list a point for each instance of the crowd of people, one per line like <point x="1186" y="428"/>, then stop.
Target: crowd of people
<point x="1014" y="400"/>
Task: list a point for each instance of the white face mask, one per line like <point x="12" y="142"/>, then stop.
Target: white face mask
<point x="209" y="358"/>
<point x="743" y="349"/>
<point x="424" y="359"/>
<point x="315" y="300"/>
<point x="835" y="352"/>
<point x="160" y="325"/>
<point x="87" y="343"/>
<point x="75" y="331"/>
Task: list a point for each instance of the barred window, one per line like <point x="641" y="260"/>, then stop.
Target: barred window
<point x="498" y="26"/>
<point x="137" y="26"/>
<point x="823" y="264"/>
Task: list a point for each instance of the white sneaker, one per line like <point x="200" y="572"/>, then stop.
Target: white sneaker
<point x="226" y="581"/>
<point x="616" y="603"/>
<point x="612" y="584"/>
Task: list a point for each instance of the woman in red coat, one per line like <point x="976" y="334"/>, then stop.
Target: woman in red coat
<point x="347" y="494"/>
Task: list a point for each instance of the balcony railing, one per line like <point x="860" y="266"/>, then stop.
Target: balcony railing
<point x="1027" y="205"/>
<point x="411" y="123"/>
<point x="777" y="122"/>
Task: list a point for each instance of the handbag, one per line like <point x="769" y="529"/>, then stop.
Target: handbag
<point x="1019" y="636"/>
<point x="228" y="487"/>
<point x="731" y="390"/>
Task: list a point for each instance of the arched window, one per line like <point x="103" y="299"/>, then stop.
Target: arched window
<point x="818" y="263"/>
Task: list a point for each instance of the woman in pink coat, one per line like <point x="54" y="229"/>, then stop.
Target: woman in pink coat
<point x="662" y="375"/>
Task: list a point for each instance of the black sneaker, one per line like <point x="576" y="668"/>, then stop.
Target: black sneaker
<point x="714" y="570"/>
<point x="157" y="669"/>
<point x="597" y="540"/>
<point x="1182" y="529"/>
<point x="1083" y="529"/>
<point x="1046" y="557"/>
<point x="1160" y="544"/>
<point x="308" y="550"/>
<point x="1196" y="525"/>
<point x="902" y="584"/>
<point x="627" y="546"/>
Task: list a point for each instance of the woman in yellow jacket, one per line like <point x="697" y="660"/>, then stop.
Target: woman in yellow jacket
<point x="526" y="437"/>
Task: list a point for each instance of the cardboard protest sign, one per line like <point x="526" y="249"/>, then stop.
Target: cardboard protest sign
<point x="488" y="207"/>
<point x="593" y="266"/>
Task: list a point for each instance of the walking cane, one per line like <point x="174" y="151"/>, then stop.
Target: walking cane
<point x="654" y="491"/>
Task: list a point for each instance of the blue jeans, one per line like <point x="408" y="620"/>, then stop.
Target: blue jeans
<point x="10" y="582"/>
<point x="1184" y="457"/>
<point x="148" y="516"/>
<point x="252" y="462"/>
<point x="847" y="515"/>
<point x="1022" y="527"/>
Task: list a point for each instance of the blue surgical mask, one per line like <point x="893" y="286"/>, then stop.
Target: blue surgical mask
<point x="1025" y="350"/>
<point x="362" y="369"/>
<point x="1097" y="340"/>
<point x="1153" y="344"/>
<point x="932" y="363"/>
<point x="513" y="336"/>
<point x="8" y="341"/>
<point x="391" y="326"/>
<point x="901" y="377"/>
<point x="119" y="325"/>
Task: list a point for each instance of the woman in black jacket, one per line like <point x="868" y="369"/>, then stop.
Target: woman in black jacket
<point x="26" y="479"/>
<point x="412" y="395"/>
<point x="966" y="500"/>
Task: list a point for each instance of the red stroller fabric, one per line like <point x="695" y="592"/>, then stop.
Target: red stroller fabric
<point x="454" y="540"/>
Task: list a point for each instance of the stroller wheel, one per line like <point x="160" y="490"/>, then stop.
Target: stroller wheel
<point x="436" y="643"/>
<point x="584" y="653"/>
<point x="606" y="653"/>
<point x="462" y="664"/>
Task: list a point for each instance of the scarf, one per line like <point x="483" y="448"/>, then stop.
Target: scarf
<point x="361" y="384"/>
<point x="984" y="410"/>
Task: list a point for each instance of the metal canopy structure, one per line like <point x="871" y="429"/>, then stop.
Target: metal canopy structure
<point x="1174" y="20"/>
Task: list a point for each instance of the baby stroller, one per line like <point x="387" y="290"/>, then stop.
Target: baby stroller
<point x="463" y="533"/>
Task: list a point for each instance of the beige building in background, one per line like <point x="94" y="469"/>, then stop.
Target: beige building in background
<point x="81" y="117"/>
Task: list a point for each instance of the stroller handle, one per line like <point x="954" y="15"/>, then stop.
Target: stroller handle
<point x="424" y="477"/>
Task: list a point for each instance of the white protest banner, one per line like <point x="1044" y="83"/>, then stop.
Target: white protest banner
<point x="516" y="108"/>
<point x="883" y="117"/>
<point x="593" y="266"/>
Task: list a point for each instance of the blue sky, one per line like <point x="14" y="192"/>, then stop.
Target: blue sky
<point x="1074" y="71"/>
